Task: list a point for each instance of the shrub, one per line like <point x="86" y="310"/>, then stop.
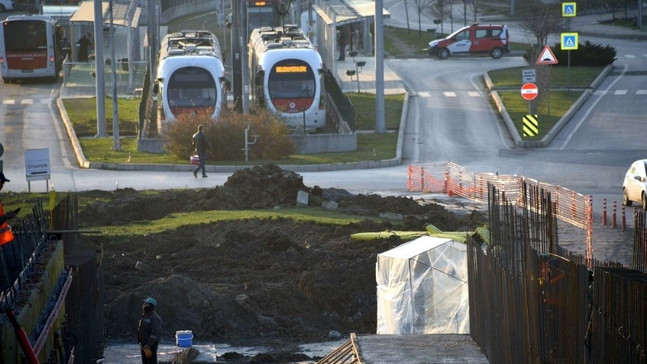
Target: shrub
<point x="227" y="135"/>
<point x="587" y="54"/>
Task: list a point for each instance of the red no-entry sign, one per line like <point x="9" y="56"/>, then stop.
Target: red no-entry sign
<point x="529" y="91"/>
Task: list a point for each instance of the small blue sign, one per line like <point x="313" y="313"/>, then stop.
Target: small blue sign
<point x="569" y="41"/>
<point x="569" y="9"/>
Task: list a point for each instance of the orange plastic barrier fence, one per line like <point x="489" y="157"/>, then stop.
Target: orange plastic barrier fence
<point x="454" y="180"/>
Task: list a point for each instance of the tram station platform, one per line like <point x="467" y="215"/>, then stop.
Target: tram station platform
<point x="365" y="78"/>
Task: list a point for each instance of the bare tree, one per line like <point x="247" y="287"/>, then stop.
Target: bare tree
<point x="474" y="5"/>
<point x="441" y="9"/>
<point x="421" y="5"/>
<point x="406" y="10"/>
<point x="542" y="20"/>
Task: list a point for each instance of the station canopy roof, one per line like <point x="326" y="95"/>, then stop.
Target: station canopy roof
<point x="85" y="13"/>
<point x="347" y="11"/>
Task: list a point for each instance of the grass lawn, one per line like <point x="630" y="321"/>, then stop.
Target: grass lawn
<point x="580" y="77"/>
<point x="551" y="108"/>
<point x="371" y="146"/>
<point x="413" y="38"/>
<point x="83" y="114"/>
<point x="552" y="105"/>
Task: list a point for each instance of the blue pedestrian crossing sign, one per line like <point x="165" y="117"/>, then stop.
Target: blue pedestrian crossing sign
<point x="569" y="9"/>
<point x="569" y="41"/>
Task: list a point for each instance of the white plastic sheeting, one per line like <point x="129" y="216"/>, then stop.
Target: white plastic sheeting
<point x="422" y="288"/>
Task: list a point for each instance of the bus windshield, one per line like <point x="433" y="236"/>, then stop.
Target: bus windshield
<point x="25" y="35"/>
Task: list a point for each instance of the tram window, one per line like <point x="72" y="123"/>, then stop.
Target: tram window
<point x="191" y="97"/>
<point x="292" y="89"/>
<point x="191" y="87"/>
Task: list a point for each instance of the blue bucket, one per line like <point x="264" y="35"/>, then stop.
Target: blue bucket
<point x="184" y="338"/>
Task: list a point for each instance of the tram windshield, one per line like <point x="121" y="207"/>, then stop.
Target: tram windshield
<point x="191" y="87"/>
<point x="291" y="79"/>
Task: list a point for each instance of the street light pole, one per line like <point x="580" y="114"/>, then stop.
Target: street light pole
<point x="244" y="57"/>
<point x="113" y="68"/>
<point x="99" y="70"/>
<point x="236" y="56"/>
<point x="150" y="37"/>
<point x="379" y="68"/>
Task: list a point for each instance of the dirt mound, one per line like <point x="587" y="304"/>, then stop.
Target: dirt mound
<point x="250" y="281"/>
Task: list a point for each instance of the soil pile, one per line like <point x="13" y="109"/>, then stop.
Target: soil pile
<point x="251" y="281"/>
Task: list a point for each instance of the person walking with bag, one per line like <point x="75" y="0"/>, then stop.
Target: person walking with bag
<point x="149" y="331"/>
<point x="200" y="147"/>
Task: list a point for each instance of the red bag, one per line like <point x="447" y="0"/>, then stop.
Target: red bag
<point x="194" y="159"/>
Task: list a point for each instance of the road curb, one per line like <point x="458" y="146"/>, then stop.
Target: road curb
<point x="76" y="146"/>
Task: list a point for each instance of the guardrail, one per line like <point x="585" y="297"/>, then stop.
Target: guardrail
<point x="80" y="77"/>
<point x="37" y="293"/>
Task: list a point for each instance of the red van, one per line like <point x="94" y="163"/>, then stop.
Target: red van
<point x="485" y="39"/>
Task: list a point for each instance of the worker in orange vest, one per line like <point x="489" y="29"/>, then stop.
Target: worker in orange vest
<point x="8" y="266"/>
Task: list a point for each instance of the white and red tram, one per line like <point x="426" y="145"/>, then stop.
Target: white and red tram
<point x="285" y="75"/>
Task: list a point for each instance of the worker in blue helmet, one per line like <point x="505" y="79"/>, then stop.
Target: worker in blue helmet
<point x="149" y="331"/>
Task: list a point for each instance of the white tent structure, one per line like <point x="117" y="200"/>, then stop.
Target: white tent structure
<point x="422" y="288"/>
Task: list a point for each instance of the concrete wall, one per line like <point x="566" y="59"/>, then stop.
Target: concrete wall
<point x="308" y="144"/>
<point x="325" y="143"/>
<point x="150" y="145"/>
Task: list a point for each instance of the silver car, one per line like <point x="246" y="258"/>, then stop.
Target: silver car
<point x="634" y="186"/>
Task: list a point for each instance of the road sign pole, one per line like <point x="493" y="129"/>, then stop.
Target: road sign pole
<point x="548" y="93"/>
<point x="568" y="71"/>
<point x="548" y="99"/>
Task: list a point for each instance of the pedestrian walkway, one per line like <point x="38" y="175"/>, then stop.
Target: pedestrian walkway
<point x="364" y="80"/>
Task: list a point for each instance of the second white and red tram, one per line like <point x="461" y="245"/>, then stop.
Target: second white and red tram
<point x="285" y="75"/>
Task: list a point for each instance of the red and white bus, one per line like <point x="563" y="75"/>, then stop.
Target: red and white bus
<point x="285" y="76"/>
<point x="31" y="46"/>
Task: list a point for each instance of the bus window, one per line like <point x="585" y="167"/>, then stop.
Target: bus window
<point x="24" y="36"/>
